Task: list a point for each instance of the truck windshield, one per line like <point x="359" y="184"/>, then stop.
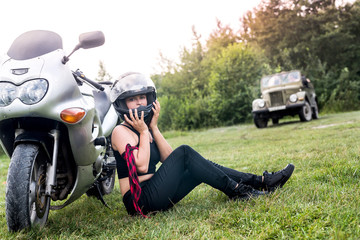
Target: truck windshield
<point x="280" y="78"/>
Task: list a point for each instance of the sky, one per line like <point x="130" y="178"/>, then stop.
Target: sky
<point x="135" y="31"/>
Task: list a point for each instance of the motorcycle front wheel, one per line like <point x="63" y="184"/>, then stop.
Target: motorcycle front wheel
<point x="26" y="203"/>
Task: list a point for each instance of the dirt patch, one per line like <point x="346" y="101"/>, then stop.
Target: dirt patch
<point x="331" y="125"/>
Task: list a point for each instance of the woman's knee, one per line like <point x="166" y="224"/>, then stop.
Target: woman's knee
<point x="179" y="153"/>
<point x="184" y="149"/>
<point x="189" y="153"/>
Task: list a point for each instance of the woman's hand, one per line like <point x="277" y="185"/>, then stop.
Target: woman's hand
<point x="137" y="123"/>
<point x="122" y="136"/>
<point x="155" y="118"/>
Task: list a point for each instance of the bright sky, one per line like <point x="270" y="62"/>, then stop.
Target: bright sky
<point x="135" y="31"/>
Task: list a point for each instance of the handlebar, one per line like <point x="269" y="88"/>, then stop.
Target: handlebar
<point x="79" y="74"/>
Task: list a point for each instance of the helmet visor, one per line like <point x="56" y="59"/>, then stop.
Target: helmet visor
<point x="131" y="85"/>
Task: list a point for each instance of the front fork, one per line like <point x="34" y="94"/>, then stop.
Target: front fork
<point x="51" y="170"/>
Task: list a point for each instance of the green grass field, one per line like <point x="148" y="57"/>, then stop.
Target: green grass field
<point x="320" y="201"/>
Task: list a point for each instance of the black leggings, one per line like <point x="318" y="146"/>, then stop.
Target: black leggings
<point x="180" y="173"/>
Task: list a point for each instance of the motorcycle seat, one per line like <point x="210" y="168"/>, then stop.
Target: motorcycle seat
<point x="102" y="104"/>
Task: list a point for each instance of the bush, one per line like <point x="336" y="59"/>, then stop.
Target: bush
<point x="234" y="83"/>
<point x="346" y="95"/>
<point x="184" y="114"/>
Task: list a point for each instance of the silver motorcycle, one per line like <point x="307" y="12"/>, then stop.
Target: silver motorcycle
<point x="55" y="125"/>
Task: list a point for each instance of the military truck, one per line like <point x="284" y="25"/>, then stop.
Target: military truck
<point x="283" y="94"/>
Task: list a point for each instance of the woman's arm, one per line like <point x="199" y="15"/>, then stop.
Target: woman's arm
<point x="122" y="136"/>
<point x="164" y="147"/>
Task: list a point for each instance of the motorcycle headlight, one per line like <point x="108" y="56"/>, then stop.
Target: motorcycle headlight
<point x="293" y="98"/>
<point x="7" y="93"/>
<point x="33" y="91"/>
<point x="30" y="92"/>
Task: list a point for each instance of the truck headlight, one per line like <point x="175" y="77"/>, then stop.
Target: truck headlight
<point x="261" y="103"/>
<point x="30" y="92"/>
<point x="293" y="98"/>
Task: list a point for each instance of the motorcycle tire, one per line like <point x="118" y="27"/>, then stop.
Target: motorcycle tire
<point x="107" y="186"/>
<point x="25" y="202"/>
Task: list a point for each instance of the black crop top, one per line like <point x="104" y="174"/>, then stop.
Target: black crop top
<point x="121" y="165"/>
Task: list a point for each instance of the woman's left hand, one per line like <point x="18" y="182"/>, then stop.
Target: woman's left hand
<point x="156" y="110"/>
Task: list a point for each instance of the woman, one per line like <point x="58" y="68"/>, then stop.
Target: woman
<point x="139" y="145"/>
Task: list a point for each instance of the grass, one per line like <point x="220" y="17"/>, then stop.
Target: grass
<point x="320" y="201"/>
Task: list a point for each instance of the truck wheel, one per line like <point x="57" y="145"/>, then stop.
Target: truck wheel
<point x="305" y="113"/>
<point x="26" y="203"/>
<point x="315" y="113"/>
<point x="260" y="122"/>
<point x="275" y="121"/>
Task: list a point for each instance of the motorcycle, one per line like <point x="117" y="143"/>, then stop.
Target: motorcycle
<point x="55" y="125"/>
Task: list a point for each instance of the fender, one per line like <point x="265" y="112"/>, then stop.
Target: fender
<point x="43" y="139"/>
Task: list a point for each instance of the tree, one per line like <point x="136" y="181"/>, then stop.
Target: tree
<point x="186" y="79"/>
<point x="235" y="83"/>
<point x="318" y="37"/>
<point x="215" y="85"/>
<point x="103" y="75"/>
<point x="220" y="38"/>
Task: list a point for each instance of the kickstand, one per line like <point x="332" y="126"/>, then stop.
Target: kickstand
<point x="100" y="196"/>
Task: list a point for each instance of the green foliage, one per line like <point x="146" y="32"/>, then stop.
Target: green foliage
<point x="219" y="39"/>
<point x="168" y="109"/>
<point x="345" y="96"/>
<point x="184" y="114"/>
<point x="324" y="81"/>
<point x="213" y="86"/>
<point x="103" y="75"/>
<point x="235" y="75"/>
<point x="319" y="37"/>
<point x="219" y="81"/>
<point x="320" y="201"/>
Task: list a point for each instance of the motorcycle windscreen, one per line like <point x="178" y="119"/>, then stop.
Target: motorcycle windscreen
<point x="33" y="44"/>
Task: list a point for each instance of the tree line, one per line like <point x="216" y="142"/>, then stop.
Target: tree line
<point x="215" y="82"/>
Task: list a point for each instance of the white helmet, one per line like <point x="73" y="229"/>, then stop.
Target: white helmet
<point x="131" y="84"/>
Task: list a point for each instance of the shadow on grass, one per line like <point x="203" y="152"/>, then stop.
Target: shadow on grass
<point x="289" y="122"/>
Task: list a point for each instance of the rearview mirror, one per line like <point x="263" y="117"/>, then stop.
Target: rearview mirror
<point x="87" y="40"/>
<point x="91" y="39"/>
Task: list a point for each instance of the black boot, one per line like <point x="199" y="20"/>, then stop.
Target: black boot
<point x="277" y="179"/>
<point x="245" y="192"/>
